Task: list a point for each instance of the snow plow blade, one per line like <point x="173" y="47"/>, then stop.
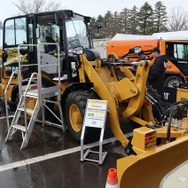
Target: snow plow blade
<point x="147" y="169"/>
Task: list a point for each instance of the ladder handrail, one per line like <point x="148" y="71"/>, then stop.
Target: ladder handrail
<point x="25" y="93"/>
<point x="5" y="95"/>
<point x="38" y="46"/>
<point x="19" y="65"/>
<point x="29" y="83"/>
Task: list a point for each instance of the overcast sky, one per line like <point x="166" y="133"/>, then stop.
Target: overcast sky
<point x="92" y="8"/>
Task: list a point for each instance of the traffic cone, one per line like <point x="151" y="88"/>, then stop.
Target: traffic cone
<point x="112" y="181"/>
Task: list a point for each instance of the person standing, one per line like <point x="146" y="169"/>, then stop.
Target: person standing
<point x="156" y="75"/>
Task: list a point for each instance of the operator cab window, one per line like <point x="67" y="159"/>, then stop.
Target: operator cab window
<point x="49" y="32"/>
<point x="15" y="32"/>
<point x="77" y="33"/>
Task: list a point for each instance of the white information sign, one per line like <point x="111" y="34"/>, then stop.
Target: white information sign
<point x="95" y="115"/>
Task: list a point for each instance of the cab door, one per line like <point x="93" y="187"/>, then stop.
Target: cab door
<point x="14" y="33"/>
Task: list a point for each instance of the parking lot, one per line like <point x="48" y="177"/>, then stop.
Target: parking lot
<point x="52" y="159"/>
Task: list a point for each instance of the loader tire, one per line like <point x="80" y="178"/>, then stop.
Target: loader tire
<point x="156" y="104"/>
<point x="1" y="107"/>
<point x="15" y="100"/>
<point x="74" y="114"/>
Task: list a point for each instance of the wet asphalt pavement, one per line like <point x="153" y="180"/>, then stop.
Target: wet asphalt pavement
<point x="52" y="160"/>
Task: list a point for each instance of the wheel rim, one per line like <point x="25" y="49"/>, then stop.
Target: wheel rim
<point x="174" y="82"/>
<point x="75" y="118"/>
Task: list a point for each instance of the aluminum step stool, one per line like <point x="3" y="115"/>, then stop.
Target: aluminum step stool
<point x="41" y="95"/>
<point x="27" y="129"/>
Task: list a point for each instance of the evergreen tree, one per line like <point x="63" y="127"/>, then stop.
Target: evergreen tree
<point x="116" y="26"/>
<point x="124" y="21"/>
<point x="160" y="17"/>
<point x="94" y="28"/>
<point x="133" y="21"/>
<point x="101" y="26"/>
<point x="108" y="22"/>
<point x="145" y="19"/>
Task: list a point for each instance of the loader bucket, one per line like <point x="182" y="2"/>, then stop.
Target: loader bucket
<point x="147" y="170"/>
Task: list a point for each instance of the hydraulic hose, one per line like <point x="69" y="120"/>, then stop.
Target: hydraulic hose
<point x="179" y="113"/>
<point x="167" y="112"/>
<point x="170" y="112"/>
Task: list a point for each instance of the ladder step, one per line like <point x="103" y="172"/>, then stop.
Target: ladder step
<point x="32" y="93"/>
<point x="19" y="127"/>
<point x="30" y="111"/>
<point x="53" y="124"/>
<point x="44" y="92"/>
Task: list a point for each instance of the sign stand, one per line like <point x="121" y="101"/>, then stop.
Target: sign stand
<point x="95" y="116"/>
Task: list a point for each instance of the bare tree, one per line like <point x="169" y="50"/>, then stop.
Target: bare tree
<point x="34" y="6"/>
<point x="178" y="20"/>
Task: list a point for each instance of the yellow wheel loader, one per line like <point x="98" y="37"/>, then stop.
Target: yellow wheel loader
<point x="84" y="75"/>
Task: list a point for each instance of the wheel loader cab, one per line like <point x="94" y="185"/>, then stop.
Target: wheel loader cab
<point x="64" y="27"/>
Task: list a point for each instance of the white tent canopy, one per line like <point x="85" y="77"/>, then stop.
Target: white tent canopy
<point x="175" y="35"/>
<point x="132" y="37"/>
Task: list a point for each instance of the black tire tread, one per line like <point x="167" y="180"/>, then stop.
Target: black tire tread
<point x="80" y="99"/>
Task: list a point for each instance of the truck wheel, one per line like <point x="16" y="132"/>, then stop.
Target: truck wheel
<point x="74" y="114"/>
<point x="173" y="81"/>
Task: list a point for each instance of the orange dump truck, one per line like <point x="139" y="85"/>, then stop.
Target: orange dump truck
<point x="173" y="44"/>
